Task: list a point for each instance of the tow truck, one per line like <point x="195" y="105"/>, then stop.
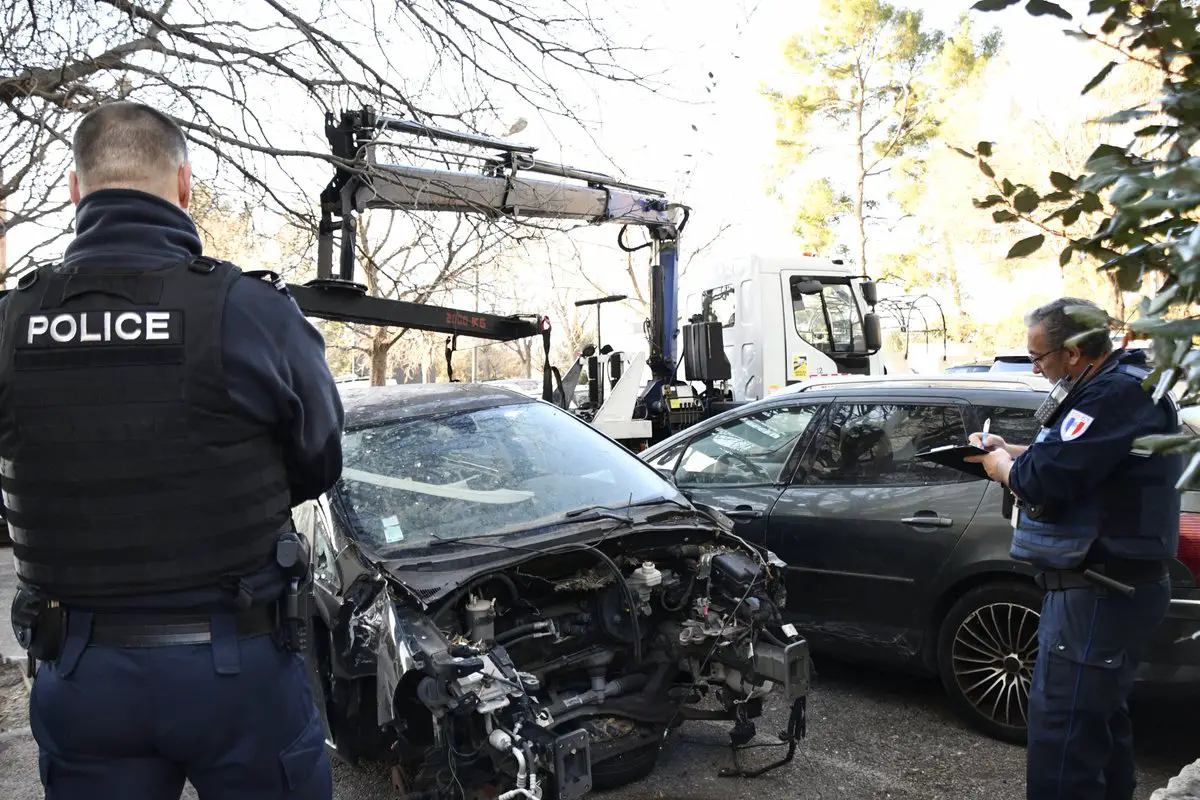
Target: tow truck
<point x="798" y="298"/>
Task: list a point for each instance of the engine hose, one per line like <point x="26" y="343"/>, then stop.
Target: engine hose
<point x="520" y="631"/>
<point x="686" y="594"/>
<point x="654" y="685"/>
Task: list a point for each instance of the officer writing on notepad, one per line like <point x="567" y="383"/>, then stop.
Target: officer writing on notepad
<point x="160" y="414"/>
<point x="1089" y="502"/>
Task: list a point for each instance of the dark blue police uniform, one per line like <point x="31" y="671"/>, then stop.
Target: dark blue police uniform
<point x="160" y="414"/>
<point x="1088" y="499"/>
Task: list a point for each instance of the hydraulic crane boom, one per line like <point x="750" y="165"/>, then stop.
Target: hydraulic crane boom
<point x="503" y="187"/>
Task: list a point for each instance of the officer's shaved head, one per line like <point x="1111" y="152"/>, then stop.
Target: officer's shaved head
<point x="1068" y="317"/>
<point x="130" y="146"/>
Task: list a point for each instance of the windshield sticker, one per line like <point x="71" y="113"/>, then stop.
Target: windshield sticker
<point x="391" y="530"/>
<point x="456" y="491"/>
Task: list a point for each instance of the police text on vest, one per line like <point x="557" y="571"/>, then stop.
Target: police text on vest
<point x="100" y="326"/>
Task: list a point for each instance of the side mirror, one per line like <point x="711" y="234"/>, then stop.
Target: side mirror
<point x="807" y="287"/>
<point x="870" y="292"/>
<point x="872" y="332"/>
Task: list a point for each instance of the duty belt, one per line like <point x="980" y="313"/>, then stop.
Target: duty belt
<point x="161" y="630"/>
<point x="1124" y="571"/>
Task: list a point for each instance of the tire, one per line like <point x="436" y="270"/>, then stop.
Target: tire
<point x="987" y="645"/>
<point x="625" y="768"/>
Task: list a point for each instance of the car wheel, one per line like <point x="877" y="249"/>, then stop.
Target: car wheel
<point x="986" y="650"/>
<point x="625" y="768"/>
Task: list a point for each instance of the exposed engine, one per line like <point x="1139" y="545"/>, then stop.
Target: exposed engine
<point x="565" y="673"/>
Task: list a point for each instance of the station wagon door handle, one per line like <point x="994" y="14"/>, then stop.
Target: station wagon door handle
<point x="743" y="512"/>
<point x="928" y="521"/>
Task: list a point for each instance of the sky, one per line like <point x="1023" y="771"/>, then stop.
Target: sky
<point x="711" y="146"/>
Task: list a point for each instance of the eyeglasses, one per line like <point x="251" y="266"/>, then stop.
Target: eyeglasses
<point x="1036" y="359"/>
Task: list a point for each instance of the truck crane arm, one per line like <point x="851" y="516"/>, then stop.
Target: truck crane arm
<point x="504" y="187"/>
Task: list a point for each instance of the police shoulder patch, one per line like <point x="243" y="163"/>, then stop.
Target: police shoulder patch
<point x="1075" y="425"/>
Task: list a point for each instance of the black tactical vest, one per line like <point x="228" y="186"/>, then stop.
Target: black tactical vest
<point x="126" y="468"/>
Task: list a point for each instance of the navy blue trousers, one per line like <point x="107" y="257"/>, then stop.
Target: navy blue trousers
<point x="236" y="718"/>
<point x="1090" y="644"/>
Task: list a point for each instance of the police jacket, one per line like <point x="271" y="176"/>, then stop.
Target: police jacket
<point x="1086" y="492"/>
<point x="160" y="414"/>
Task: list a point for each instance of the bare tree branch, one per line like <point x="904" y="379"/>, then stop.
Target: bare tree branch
<point x="226" y="80"/>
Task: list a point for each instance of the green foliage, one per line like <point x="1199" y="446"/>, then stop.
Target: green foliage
<point x="1140" y="202"/>
<point x="875" y="74"/>
<point x="818" y="207"/>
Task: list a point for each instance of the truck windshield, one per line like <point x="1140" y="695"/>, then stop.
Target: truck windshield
<point x="830" y="321"/>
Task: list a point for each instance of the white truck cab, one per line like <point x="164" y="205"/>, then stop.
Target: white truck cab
<point x="787" y="319"/>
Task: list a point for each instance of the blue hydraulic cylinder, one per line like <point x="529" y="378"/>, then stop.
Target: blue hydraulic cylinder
<point x="669" y="257"/>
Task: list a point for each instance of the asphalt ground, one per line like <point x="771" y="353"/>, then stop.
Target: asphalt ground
<point x="871" y="734"/>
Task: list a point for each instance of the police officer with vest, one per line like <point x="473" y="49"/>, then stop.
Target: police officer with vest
<point x="1094" y="514"/>
<point x="161" y="412"/>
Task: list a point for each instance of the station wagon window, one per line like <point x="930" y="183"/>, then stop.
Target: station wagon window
<point x="750" y="450"/>
<point x="874" y="444"/>
<point x="666" y="461"/>
<point x="1015" y="425"/>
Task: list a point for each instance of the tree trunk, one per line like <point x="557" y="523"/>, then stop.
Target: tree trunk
<point x="379" y="357"/>
<point x="1118" y="296"/>
<point x="527" y="357"/>
<point x="861" y="187"/>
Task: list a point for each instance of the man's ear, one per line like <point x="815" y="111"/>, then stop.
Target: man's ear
<point x="73" y="182"/>
<point x="185" y="185"/>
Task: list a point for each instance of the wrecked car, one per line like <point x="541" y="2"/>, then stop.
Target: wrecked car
<point x="506" y="603"/>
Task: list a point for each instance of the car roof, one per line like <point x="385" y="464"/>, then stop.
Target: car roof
<point x="991" y="381"/>
<point x="375" y="405"/>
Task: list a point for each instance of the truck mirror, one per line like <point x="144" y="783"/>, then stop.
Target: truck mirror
<point x="806" y="287"/>
<point x="872" y="332"/>
<point x="870" y="292"/>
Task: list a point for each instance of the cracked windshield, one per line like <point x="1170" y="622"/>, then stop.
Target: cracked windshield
<point x="469" y="473"/>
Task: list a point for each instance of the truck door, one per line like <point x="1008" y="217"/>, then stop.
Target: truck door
<point x="822" y="326"/>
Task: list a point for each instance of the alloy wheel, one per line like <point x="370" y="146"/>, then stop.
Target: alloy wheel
<point x="993" y="655"/>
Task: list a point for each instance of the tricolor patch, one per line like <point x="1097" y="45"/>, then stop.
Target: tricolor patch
<point x="1074" y="425"/>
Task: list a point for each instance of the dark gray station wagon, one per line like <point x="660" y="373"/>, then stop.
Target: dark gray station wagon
<point x="891" y="559"/>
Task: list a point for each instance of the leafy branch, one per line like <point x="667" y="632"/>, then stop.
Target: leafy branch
<point x="1144" y="198"/>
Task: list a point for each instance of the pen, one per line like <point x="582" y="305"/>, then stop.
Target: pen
<point x="987" y="424"/>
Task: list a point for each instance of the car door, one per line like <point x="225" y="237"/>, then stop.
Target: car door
<point x="864" y="526"/>
<point x="741" y="465"/>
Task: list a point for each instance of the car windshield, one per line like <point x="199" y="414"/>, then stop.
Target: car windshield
<point x="468" y="473"/>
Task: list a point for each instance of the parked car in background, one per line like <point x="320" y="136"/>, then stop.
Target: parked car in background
<point x="891" y="559"/>
<point x="978" y="366"/>
<point x="1012" y="361"/>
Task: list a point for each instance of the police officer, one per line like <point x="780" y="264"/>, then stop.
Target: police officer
<point x="160" y="414"/>
<point x="1088" y="500"/>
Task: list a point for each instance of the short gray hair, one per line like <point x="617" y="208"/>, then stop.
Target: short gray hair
<point x="126" y="143"/>
<point x="1069" y="317"/>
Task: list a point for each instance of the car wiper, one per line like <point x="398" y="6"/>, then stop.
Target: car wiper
<point x="586" y="513"/>
<point x="610" y="512"/>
